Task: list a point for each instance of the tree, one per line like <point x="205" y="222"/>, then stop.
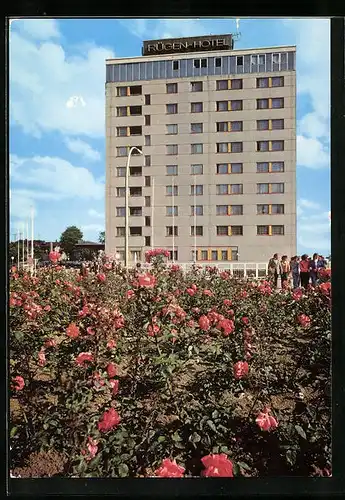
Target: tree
<point x="69" y="238"/>
<point x="101" y="237"/>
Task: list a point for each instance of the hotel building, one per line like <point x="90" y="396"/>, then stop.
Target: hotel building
<point x="217" y="128"/>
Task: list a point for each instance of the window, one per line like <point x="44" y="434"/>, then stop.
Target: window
<point x="147" y="241"/>
<point x="236" y="84"/>
<point x="262" y="230"/>
<point x="236" y="230"/>
<point x="239" y="60"/>
<point x="135" y="110"/>
<point x="222" y="209"/>
<point x="171" y="109"/>
<point x="121" y="111"/>
<point x="196" y="128"/>
<point x="175" y="65"/>
<point x="222" y="147"/>
<point x="222" y="126"/>
<point x="196" y="169"/>
<point x="222" y="189"/>
<point x="171" y="190"/>
<point x="137" y="130"/>
<point x="196" y="107"/>
<point x="147" y="201"/>
<point x="277" y="230"/>
<point x="263" y="188"/>
<point x="147" y="161"/>
<point x="147" y="181"/>
<point x="222" y="105"/>
<point x="277" y="124"/>
<point x="262" y="124"/>
<point x="120" y="231"/>
<point x="171" y="231"/>
<point x="200" y="63"/>
<point x="171" y="88"/>
<point x="236" y="188"/>
<point x="222" y="230"/>
<point x="222" y="85"/>
<point x="204" y="255"/>
<point x="135" y="231"/>
<point x="222" y="168"/>
<point x="236" y="126"/>
<point x="277" y="166"/>
<point x="135" y="90"/>
<point x="277" y="145"/>
<point x="236" y="209"/>
<point x="173" y="255"/>
<point x="261" y="103"/>
<point x="262" y="167"/>
<point x="196" y="149"/>
<point x="172" y="129"/>
<point x="204" y="63"/>
<point x="262" y="209"/>
<point x="121" y="171"/>
<point x="121" y="131"/>
<point x="135" y="171"/>
<point x="135" y="191"/>
<point x="196" y="63"/>
<point x="172" y="149"/>
<point x="147" y="120"/>
<point x="277" y="81"/>
<point x="236" y="105"/>
<point x="147" y="99"/>
<point x="135" y="211"/>
<point x="196" y="86"/>
<point x="196" y="231"/>
<point x="147" y="221"/>
<point x="236" y="147"/>
<point x="262" y="146"/>
<point x="276" y="60"/>
<point x="224" y="255"/>
<point x="277" y="188"/>
<point x="121" y="91"/>
<point x="197" y="190"/>
<point x="262" y="83"/>
<point x="236" y="168"/>
<point x="122" y="151"/>
<point x="278" y="102"/>
<point x="120" y="211"/>
<point x="197" y="210"/>
<point x="218" y="62"/>
<point x="171" y="169"/>
<point x="170" y="211"/>
<point x="135" y="151"/>
<point x="277" y="209"/>
<point x="147" y="140"/>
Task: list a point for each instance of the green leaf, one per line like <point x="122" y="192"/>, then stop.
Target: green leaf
<point x="236" y="470"/>
<point x="211" y="425"/>
<point x="123" y="470"/>
<point x="224" y="449"/>
<point x="179" y="445"/>
<point x="215" y="414"/>
<point x="300" y="431"/>
<point x="243" y="465"/>
<point x="161" y="439"/>
<point x="19" y="335"/>
<point x="176" y="437"/>
<point x="195" y="437"/>
<point x="13" y="431"/>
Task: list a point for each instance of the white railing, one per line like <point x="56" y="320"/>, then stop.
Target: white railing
<point x="238" y="269"/>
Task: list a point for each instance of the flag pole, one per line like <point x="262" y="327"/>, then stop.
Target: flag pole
<point x="23" y="244"/>
<point x="32" y="238"/>
<point x="194" y="218"/>
<point x="173" y="219"/>
<point x="18" y="250"/>
<point x="152" y="213"/>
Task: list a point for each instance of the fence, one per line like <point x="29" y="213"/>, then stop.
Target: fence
<point x="238" y="269"/>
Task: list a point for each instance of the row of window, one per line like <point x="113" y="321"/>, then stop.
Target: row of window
<point x="223" y="210"/>
<point x="198" y="128"/>
<point x="267" y="230"/>
<point x="221" y="189"/>
<point x="232" y="84"/>
<point x="198" y="107"/>
<point x="221" y="147"/>
<point x="198" y="169"/>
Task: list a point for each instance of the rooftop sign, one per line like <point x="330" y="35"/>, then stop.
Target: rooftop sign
<point x="195" y="44"/>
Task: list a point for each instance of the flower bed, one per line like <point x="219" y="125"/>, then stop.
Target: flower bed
<point x="168" y="374"/>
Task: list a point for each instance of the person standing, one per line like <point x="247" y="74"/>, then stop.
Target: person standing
<point x="313" y="267"/>
<point x="304" y="270"/>
<point x="274" y="269"/>
<point x="295" y="271"/>
<point x="285" y="271"/>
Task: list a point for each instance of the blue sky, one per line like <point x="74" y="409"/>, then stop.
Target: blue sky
<point x="57" y="142"/>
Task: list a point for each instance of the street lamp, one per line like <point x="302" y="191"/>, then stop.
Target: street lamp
<point x="126" y="201"/>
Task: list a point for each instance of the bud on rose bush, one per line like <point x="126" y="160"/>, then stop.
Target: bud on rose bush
<point x="169" y="374"/>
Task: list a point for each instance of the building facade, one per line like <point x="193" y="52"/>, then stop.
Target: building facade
<point x="217" y="177"/>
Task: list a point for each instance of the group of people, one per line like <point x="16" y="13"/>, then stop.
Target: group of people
<point x="302" y="270"/>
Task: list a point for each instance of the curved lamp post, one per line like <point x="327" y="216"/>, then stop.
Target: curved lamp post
<point x="126" y="200"/>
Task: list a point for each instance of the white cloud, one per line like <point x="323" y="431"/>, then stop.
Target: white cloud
<point x="164" y="28"/>
<point x="83" y="148"/>
<point x="97" y="215"/>
<point x="44" y="78"/>
<point x="311" y="153"/>
<point x="21" y="205"/>
<point x="56" y="176"/>
<point x="40" y="29"/>
<point x="92" y="228"/>
<point x="308" y="204"/>
<point x="314" y="229"/>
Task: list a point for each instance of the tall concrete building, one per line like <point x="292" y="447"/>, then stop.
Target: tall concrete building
<point x="217" y="129"/>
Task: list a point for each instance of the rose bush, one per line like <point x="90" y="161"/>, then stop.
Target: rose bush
<point x="166" y="373"/>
